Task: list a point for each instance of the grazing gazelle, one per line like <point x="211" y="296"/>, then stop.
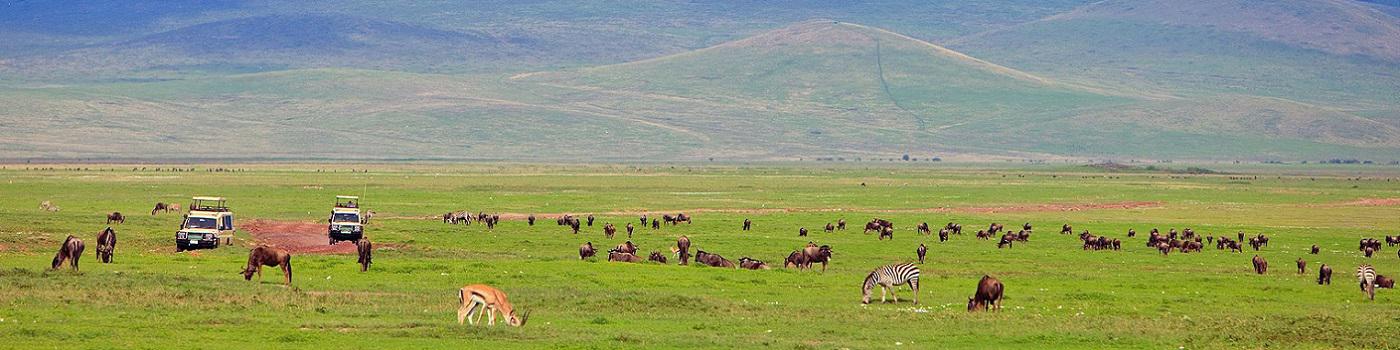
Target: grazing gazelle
<point x="480" y="298"/>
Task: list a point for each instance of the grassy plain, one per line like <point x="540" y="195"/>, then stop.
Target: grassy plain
<point x="1057" y="295"/>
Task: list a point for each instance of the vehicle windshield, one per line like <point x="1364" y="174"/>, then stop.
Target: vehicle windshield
<point x="345" y="217"/>
<point x="204" y="223"/>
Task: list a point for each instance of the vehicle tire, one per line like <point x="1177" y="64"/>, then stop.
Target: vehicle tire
<point x="178" y="248"/>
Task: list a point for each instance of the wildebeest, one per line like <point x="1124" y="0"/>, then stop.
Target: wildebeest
<point x="1006" y="240"/>
<point x="71" y="250"/>
<point x="683" y="249"/>
<point x="1302" y="266"/>
<point x="657" y="257"/>
<point x="590" y="220"/>
<point x="1324" y="275"/>
<point x="629" y="230"/>
<point x="943" y="235"/>
<point x="626" y="247"/>
<point x="921" y="252"/>
<point x="887" y="232"/>
<point x="530" y="220"/>
<point x="116" y="217"/>
<point x="1066" y="229"/>
<point x="988" y="295"/>
<point x="812" y="254"/>
<point x="714" y="260"/>
<point x="161" y="207"/>
<point x="643" y="219"/>
<point x="830" y="228"/>
<point x="1314" y="249"/>
<point x="1368" y="251"/>
<point x="1392" y="240"/>
<point x="106" y="245"/>
<point x="1260" y="265"/>
<point x="1132" y="233"/>
<point x="614" y="255"/>
<point x="747" y="224"/>
<point x="366" y="251"/>
<point x="682" y="217"/>
<point x="802" y="232"/>
<point x="586" y="251"/>
<point x="794" y="260"/>
<point x="751" y="264"/>
<point x="983" y="234"/>
<point x="923" y="228"/>
<point x="574" y="225"/>
<point x="841" y="224"/>
<point x="954" y="228"/>
<point x="655" y="224"/>
<point x="1026" y="226"/>
<point x="268" y="256"/>
<point x="1384" y="282"/>
<point x="609" y="230"/>
<point x="994" y="228"/>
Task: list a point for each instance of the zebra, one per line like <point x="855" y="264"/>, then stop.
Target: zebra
<point x="890" y="276"/>
<point x="1367" y="277"/>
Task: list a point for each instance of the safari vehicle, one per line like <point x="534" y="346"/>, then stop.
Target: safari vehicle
<point x="344" y="223"/>
<point x="208" y="221"/>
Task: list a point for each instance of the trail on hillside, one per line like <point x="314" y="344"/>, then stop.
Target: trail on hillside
<point x="880" y="69"/>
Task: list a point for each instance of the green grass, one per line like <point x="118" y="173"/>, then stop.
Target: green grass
<point x="1057" y="295"/>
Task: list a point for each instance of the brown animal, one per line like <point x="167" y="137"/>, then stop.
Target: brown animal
<point x="923" y="228"/>
<point x="1314" y="249"/>
<point x="1006" y="240"/>
<point x="590" y="220"/>
<point x="586" y="251"/>
<point x="751" y="264"/>
<point x="921" y="251"/>
<point x="1324" y="275"/>
<point x="683" y="249"/>
<point x="841" y="224"/>
<point x="830" y="228"/>
<point x="106" y="245"/>
<point x="657" y="257"/>
<point x="748" y="224"/>
<point x="1066" y="229"/>
<point x="1260" y="265"/>
<point x="1302" y="266"/>
<point x="481" y="298"/>
<point x="609" y="230"/>
<point x="802" y="232"/>
<point x="626" y="247"/>
<point x="1384" y="282"/>
<point x="614" y="255"/>
<point x="988" y="295"/>
<point x="794" y="260"/>
<point x="812" y="254"/>
<point x="1369" y="251"/>
<point x="71" y="250"/>
<point x="366" y="252"/>
<point x="1132" y="233"/>
<point x="714" y="260"/>
<point x="530" y="220"/>
<point x="268" y="256"/>
<point x="629" y="230"/>
<point x="655" y="224"/>
<point x="887" y="232"/>
<point x="116" y="217"/>
<point x="943" y="235"/>
<point x="160" y="207"/>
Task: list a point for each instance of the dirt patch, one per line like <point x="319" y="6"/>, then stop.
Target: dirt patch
<point x="1373" y="202"/>
<point x="296" y="237"/>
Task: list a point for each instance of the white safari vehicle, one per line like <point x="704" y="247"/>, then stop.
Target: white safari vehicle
<point x="208" y="221"/>
<point x="344" y="223"/>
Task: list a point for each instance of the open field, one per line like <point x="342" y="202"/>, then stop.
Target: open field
<point x="1058" y="296"/>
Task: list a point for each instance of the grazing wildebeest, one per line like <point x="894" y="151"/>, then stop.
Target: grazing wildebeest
<point x="751" y="264"/>
<point x="802" y="232"/>
<point x="106" y="245"/>
<point x="1240" y="236"/>
<point x="683" y="249"/>
<point x="1026" y="226"/>
<point x="1302" y="266"/>
<point x="921" y="251"/>
<point x="268" y="256"/>
<point x="70" y="251"/>
<point x="682" y="217"/>
<point x="490" y="300"/>
<point x="830" y="228"/>
<point x="794" y="260"/>
<point x="1023" y="236"/>
<point x="1066" y="229"/>
<point x="1314" y="249"/>
<point x="994" y="228"/>
<point x="812" y="253"/>
<point x="1384" y="282"/>
<point x="655" y="224"/>
<point x="574" y="225"/>
<point x="983" y="234"/>
<point x="1164" y="247"/>
<point x="644" y="220"/>
<point x="614" y="255"/>
<point x="954" y="228"/>
<point x="657" y="257"/>
<point x="1006" y="240"/>
<point x="1132" y="233"/>
<point x="747" y="224"/>
<point x="161" y="207"/>
<point x="586" y="251"/>
<point x="626" y="247"/>
<point x="629" y="230"/>
<point x="1324" y="275"/>
<point x="667" y="218"/>
<point x="1392" y="240"/>
<point x="841" y="224"/>
<point x="530" y="220"/>
<point x="943" y="235"/>
<point x="887" y="232"/>
<point x="923" y="228"/>
<point x="714" y="260"/>
<point x="116" y="217"/>
<point x="1368" y="251"/>
<point x="590" y="220"/>
<point x="1260" y="265"/>
<point x="988" y="295"/>
<point x="609" y="230"/>
<point x="365" y="250"/>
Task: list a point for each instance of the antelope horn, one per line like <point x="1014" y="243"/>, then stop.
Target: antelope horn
<point x="524" y="317"/>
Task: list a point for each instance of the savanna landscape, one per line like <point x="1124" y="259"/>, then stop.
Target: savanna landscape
<point x="792" y="174"/>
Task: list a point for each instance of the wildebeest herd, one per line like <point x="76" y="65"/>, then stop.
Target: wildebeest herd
<point x="988" y="294"/>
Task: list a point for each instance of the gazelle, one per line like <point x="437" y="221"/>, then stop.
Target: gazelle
<point x="476" y="297"/>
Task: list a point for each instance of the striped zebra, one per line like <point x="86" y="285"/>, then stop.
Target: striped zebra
<point x="1367" y="276"/>
<point x="890" y="276"/>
